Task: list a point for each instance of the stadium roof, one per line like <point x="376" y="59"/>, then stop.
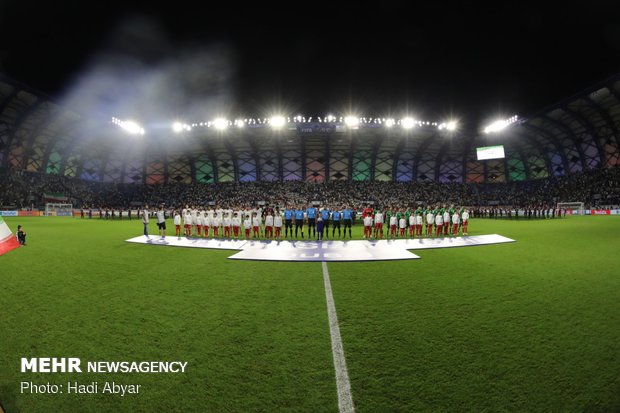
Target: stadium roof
<point x="38" y="135"/>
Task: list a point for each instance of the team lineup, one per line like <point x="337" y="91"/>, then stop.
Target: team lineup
<point x="289" y="223"/>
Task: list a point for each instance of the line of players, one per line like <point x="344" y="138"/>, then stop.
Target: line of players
<point x="269" y="222"/>
<point x="438" y="221"/>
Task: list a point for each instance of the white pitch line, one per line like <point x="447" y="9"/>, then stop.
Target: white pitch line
<point x="345" y="401"/>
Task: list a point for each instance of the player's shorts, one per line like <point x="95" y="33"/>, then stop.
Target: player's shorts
<point x="288" y="223"/>
<point x="347" y="223"/>
<point x="311" y="222"/>
<point x="161" y="225"/>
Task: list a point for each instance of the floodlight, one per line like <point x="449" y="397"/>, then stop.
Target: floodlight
<point x="132" y="127"/>
<point x="220" y="123"/>
<point x="351" y="121"/>
<point x="177" y="127"/>
<point x="500" y="124"/>
<point x="451" y="125"/>
<point x="407" y="123"/>
<point x="277" y="122"/>
<point x="389" y="123"/>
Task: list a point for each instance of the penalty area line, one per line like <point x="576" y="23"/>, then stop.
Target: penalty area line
<point x="345" y="401"/>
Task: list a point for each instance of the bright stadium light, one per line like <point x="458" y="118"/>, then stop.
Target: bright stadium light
<point x="447" y="125"/>
<point x="220" y="123"/>
<point x="129" y="126"/>
<point x="277" y="122"/>
<point x="351" y="121"/>
<point x="177" y="127"/>
<point x="389" y="123"/>
<point x="331" y="118"/>
<point x="240" y="123"/>
<point x="500" y="124"/>
<point x="408" y="123"/>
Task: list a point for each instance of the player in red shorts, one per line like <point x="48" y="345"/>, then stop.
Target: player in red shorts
<point x="367" y="226"/>
<point x="379" y="224"/>
<point x="402" y="226"/>
<point x="269" y="225"/>
<point x="464" y="222"/>
<point x="236" y="223"/>
<point x="177" y="223"/>
<point x="256" y="224"/>
<point x="277" y="223"/>
<point x="227" y="224"/>
<point x="247" y="226"/>
<point x="456" y="219"/>
<point x="215" y="223"/>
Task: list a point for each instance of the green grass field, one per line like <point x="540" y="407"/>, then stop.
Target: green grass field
<point x="526" y="326"/>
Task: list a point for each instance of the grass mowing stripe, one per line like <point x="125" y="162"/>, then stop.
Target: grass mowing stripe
<point x="345" y="401"/>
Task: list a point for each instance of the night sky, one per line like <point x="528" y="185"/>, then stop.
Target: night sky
<point x="375" y="58"/>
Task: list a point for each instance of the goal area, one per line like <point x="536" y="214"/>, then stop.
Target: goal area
<point x="58" y="210"/>
<point x="576" y="207"/>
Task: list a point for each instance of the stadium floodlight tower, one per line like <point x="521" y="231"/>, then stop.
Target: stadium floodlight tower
<point x="500" y="125"/>
<point x="408" y="123"/>
<point x="351" y="121"/>
<point x="277" y="121"/>
<point x="179" y="127"/>
<point x="220" y="123"/>
<point x="129" y="126"/>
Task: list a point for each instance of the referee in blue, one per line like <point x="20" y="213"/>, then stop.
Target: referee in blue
<point x="325" y="216"/>
<point x="288" y="221"/>
<point x="299" y="221"/>
<point x="311" y="214"/>
<point x="347" y="215"/>
<point x="336" y="217"/>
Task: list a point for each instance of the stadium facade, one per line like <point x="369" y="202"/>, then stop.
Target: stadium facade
<point x="39" y="135"/>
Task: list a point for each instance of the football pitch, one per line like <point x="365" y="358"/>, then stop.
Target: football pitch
<point x="532" y="325"/>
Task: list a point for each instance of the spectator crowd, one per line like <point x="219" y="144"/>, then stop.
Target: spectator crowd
<point x="599" y="187"/>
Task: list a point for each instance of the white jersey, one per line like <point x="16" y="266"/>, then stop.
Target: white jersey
<point x="402" y="223"/>
<point x="465" y="216"/>
<point x="216" y="221"/>
<point x="161" y="217"/>
<point x="368" y="221"/>
<point x="418" y="219"/>
<point x="439" y="220"/>
<point x="257" y="221"/>
<point x="393" y="220"/>
<point x="145" y="216"/>
<point x="412" y="220"/>
<point x="187" y="219"/>
<point x="269" y="221"/>
<point x="247" y="223"/>
<point x="456" y="218"/>
<point x="227" y="221"/>
<point x="430" y="218"/>
<point x="446" y="217"/>
<point x="236" y="221"/>
<point x="177" y="219"/>
<point x="379" y="218"/>
<point x="277" y="221"/>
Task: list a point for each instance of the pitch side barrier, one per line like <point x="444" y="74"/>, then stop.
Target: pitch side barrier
<point x="594" y="212"/>
<point x="20" y="213"/>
